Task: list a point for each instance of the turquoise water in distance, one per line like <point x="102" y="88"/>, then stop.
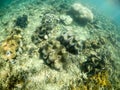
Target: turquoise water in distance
<point x="110" y="8"/>
<point x="4" y="3"/>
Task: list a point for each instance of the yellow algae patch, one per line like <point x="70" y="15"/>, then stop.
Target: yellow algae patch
<point x="9" y="46"/>
<point x="101" y="79"/>
<point x="83" y="87"/>
<point x="96" y="82"/>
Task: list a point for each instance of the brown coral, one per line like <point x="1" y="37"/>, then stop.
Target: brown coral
<point x="53" y="54"/>
<point x="70" y="42"/>
<point x="101" y="79"/>
<point x="96" y="82"/>
<point x="9" y="46"/>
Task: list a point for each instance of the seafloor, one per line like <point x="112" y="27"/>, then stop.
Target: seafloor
<point x="43" y="47"/>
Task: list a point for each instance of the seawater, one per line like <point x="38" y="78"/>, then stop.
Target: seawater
<point x="4" y="3"/>
<point x="110" y="8"/>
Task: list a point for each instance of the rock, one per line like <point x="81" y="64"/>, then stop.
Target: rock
<point x="67" y="20"/>
<point x="46" y="37"/>
<point x="81" y="12"/>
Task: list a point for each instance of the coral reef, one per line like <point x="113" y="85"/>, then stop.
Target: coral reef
<point x="17" y="80"/>
<point x="53" y="54"/>
<point x="81" y="12"/>
<point x="97" y="57"/>
<point x="95" y="82"/>
<point x="9" y="46"/>
<point x="22" y="21"/>
<point x="65" y="19"/>
<point x="48" y="23"/>
<point x="70" y="42"/>
<point x="101" y="79"/>
<point x="12" y="78"/>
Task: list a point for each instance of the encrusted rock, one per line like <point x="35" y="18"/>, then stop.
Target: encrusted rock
<point x="17" y="79"/>
<point x="70" y="42"/>
<point x="97" y="57"/>
<point x="81" y="12"/>
<point x="48" y="23"/>
<point x="67" y="20"/>
<point x="9" y="46"/>
<point x="95" y="44"/>
<point x="53" y="54"/>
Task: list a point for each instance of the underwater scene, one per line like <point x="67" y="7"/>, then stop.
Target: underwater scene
<point x="59" y="44"/>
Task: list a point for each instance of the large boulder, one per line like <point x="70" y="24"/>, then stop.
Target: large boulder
<point x="81" y="12"/>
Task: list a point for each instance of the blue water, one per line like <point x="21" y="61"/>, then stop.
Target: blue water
<point x="4" y="3"/>
<point x="110" y="8"/>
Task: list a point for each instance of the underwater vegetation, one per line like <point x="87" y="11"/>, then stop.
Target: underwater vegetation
<point x="102" y="79"/>
<point x="48" y="23"/>
<point x="53" y="54"/>
<point x="16" y="80"/>
<point x="9" y="47"/>
<point x="97" y="56"/>
<point x="22" y="21"/>
<point x="95" y="82"/>
<point x="11" y="78"/>
<point x="96" y="66"/>
<point x="70" y="42"/>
